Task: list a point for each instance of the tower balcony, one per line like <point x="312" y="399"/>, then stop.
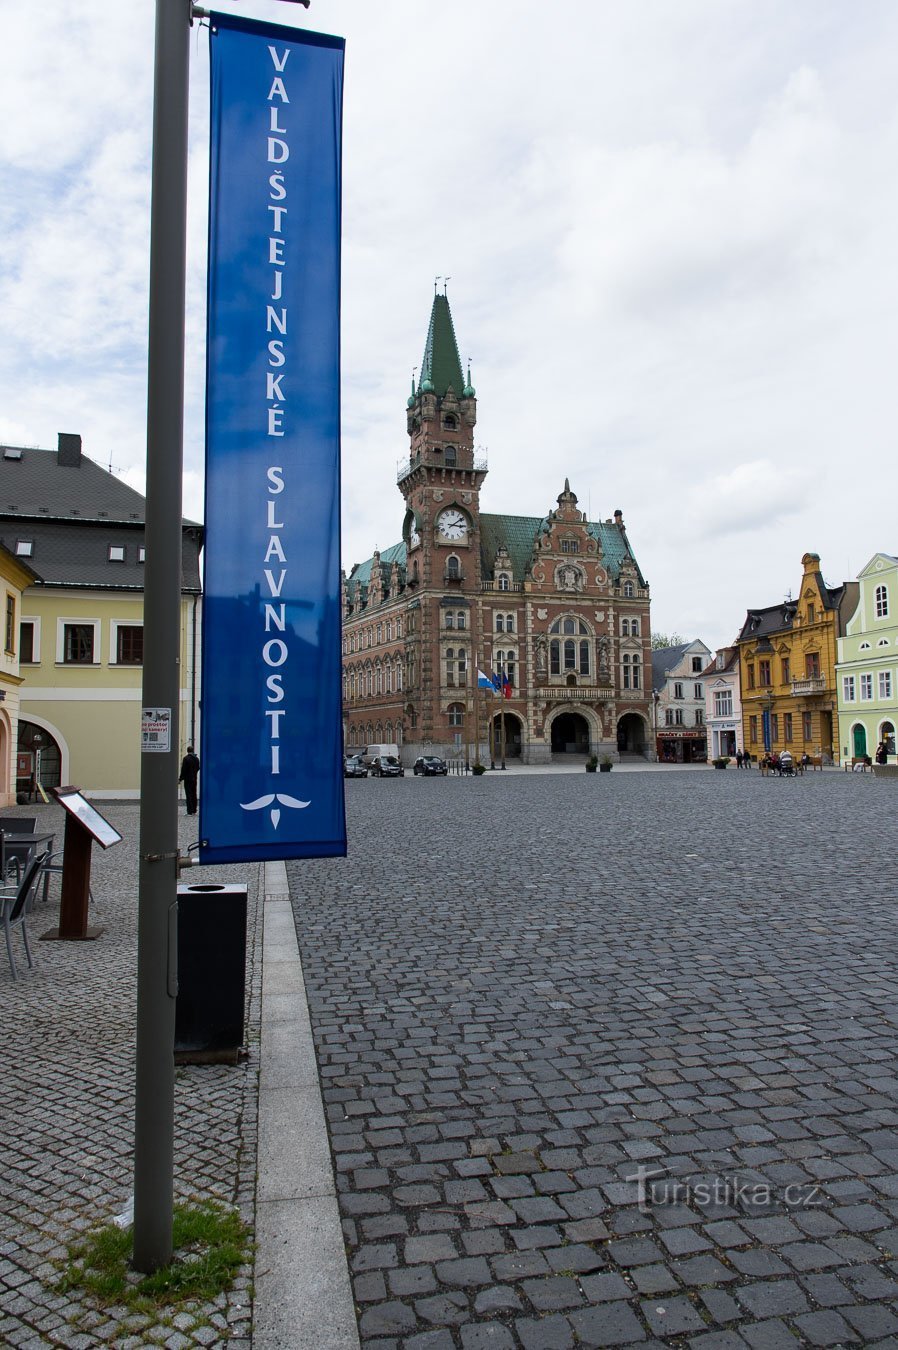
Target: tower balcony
<point x="406" y="467"/>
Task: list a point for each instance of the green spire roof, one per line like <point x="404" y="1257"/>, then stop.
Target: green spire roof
<point x="441" y="365"/>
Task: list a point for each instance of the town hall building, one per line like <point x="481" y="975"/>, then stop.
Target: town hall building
<point x="553" y="609"/>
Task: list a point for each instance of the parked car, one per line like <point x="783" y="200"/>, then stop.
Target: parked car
<point x="430" y="764"/>
<point x="353" y="767"/>
<point x="370" y="752"/>
<point x="386" y="766"/>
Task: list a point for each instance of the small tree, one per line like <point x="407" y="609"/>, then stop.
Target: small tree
<point x="666" y="640"/>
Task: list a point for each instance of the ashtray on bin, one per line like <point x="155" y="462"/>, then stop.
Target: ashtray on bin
<point x="211" y="973"/>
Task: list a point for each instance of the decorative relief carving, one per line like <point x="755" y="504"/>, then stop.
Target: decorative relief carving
<point x="569" y="578"/>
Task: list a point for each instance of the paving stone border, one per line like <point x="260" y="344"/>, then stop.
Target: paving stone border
<point x="67" y="1108"/>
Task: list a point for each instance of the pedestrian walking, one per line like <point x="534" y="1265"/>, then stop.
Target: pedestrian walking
<point x="882" y="753"/>
<point x="190" y="768"/>
<point x="738" y="759"/>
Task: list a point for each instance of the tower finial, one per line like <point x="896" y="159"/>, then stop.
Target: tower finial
<point x="446" y="281"/>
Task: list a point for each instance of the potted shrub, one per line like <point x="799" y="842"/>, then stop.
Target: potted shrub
<point x="478" y="769"/>
<point x="592" y="764"/>
<point x="721" y="761"/>
<point x="605" y="764"/>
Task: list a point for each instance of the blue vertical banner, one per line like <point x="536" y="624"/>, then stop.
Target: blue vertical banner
<point x="765" y="726"/>
<point x="271" y="783"/>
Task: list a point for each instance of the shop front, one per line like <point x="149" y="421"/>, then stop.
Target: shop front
<point x="723" y="737"/>
<point x="678" y="745"/>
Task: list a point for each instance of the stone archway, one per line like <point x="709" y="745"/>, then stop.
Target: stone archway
<point x="7" y="785"/>
<point x="632" y="734"/>
<point x="570" y="734"/>
<point x="514" y="735"/>
<point x="47" y="753"/>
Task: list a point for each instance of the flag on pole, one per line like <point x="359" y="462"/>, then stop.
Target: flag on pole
<point x="484" y="681"/>
<point x="506" y="684"/>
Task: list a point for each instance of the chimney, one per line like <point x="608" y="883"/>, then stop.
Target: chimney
<point x="619" y="518"/>
<point x="68" y="455"/>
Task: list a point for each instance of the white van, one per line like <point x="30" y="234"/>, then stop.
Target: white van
<point x="371" y="751"/>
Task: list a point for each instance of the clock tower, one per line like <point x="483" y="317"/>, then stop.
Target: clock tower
<point x="441" y="485"/>
<point x="441" y="482"/>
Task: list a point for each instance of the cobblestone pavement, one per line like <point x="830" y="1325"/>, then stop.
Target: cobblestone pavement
<point x="526" y="992"/>
<point x="67" y="1108"/>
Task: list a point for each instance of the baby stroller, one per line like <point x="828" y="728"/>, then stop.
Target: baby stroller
<point x="786" y="765"/>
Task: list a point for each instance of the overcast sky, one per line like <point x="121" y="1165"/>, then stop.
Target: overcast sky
<point x="671" y="232"/>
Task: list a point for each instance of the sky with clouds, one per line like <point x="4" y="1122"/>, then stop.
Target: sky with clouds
<point x="670" y="229"/>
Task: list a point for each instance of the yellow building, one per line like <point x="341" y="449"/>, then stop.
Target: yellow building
<point x="80" y="631"/>
<point x="787" y="658"/>
<point x="14" y="576"/>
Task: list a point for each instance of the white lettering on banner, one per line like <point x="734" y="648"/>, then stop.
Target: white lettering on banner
<point x="275" y="651"/>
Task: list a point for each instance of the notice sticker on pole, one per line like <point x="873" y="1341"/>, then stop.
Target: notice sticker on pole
<point x="155" y="731"/>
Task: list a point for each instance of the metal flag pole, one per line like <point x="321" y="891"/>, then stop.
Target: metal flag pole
<point x="157" y="904"/>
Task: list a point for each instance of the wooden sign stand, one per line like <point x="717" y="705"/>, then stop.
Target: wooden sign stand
<point x="83" y="824"/>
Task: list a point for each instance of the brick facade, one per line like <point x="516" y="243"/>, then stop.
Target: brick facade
<point x="554" y="606"/>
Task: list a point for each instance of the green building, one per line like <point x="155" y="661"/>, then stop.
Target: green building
<point x="867" y="664"/>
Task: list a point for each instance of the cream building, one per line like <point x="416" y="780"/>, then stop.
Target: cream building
<point x="80" y="531"/>
<point x="14" y="576"/>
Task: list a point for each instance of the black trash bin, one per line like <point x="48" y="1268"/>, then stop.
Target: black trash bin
<point x="211" y="973"/>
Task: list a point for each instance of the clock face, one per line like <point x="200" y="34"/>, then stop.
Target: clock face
<point x="414" y="539"/>
<point x="452" y="524"/>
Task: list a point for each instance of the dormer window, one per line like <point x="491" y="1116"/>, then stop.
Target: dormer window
<point x="503" y="581"/>
<point x="24" y="548"/>
<point x="570" y="545"/>
<point x="116" y="553"/>
<point x="811" y="614"/>
<point x="628" y="590"/>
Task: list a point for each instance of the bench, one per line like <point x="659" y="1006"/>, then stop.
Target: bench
<point x="859" y="764"/>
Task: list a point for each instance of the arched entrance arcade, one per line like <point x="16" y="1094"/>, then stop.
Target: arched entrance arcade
<point x="569" y="733"/>
<point x="42" y="756"/>
<point x="632" y="734"/>
<point x="510" y="748"/>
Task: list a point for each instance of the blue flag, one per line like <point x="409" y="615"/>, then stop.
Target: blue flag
<point x="272" y="780"/>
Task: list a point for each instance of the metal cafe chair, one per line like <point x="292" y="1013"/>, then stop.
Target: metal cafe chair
<point x="11" y="855"/>
<point x="15" y="903"/>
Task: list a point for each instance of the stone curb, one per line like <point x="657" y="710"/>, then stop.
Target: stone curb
<point x="303" y="1298"/>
